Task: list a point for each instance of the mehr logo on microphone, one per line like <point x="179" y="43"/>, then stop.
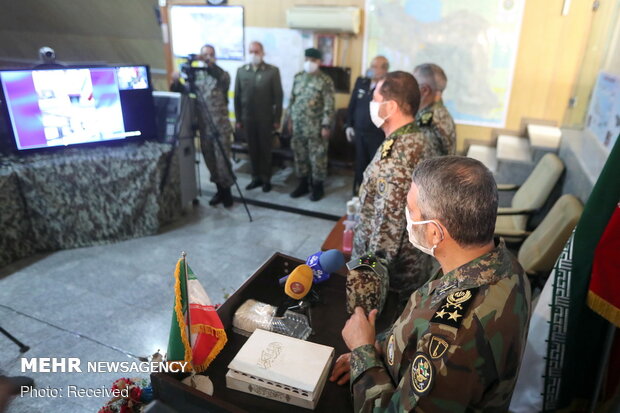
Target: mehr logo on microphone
<point x="297" y="287"/>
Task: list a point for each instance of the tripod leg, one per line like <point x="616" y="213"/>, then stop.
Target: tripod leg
<point x="22" y="347"/>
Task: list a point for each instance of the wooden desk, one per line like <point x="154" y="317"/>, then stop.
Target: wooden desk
<point x="328" y="318"/>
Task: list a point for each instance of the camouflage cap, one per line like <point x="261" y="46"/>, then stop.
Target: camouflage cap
<point x="315" y="53"/>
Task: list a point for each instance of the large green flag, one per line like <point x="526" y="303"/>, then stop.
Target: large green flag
<point x="576" y="333"/>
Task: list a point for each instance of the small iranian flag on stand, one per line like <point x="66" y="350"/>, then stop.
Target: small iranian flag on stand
<point x="193" y="318"/>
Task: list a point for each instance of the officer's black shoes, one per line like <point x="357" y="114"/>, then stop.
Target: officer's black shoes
<point x="223" y="196"/>
<point x="227" y="199"/>
<point x="217" y="198"/>
<point x="317" y="191"/>
<point x="302" y="188"/>
<point x="267" y="187"/>
<point x="254" y="184"/>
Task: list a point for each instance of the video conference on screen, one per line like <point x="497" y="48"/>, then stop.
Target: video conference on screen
<point x="61" y="107"/>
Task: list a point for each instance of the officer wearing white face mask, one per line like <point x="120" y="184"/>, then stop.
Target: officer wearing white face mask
<point x="382" y="229"/>
<point x="359" y="127"/>
<point x="258" y="110"/>
<point x="310" y="119"/>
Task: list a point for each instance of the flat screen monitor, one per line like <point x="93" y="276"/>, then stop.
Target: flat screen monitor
<point x="77" y="105"/>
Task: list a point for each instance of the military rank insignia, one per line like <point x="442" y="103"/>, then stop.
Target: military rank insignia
<point x="390" y="350"/>
<point x="426" y="119"/>
<point x="386" y="148"/>
<point x="422" y="374"/>
<point x="453" y="308"/>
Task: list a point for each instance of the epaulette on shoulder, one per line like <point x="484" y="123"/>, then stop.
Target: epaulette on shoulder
<point x="426" y="118"/>
<point x="453" y="308"/>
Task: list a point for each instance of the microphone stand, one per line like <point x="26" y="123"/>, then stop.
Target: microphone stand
<point x="216" y="134"/>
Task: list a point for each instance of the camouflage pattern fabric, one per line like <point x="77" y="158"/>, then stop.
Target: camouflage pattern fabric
<point x="212" y="86"/>
<point x="436" y="122"/>
<point x="311" y="107"/>
<point x="15" y="241"/>
<point x="456" y="347"/>
<point x="80" y="197"/>
<point x="383" y="226"/>
<point x="366" y="289"/>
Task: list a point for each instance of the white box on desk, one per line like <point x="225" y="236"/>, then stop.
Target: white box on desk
<point x="281" y="368"/>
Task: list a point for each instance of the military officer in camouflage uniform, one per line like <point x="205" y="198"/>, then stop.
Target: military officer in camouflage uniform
<point x="458" y="344"/>
<point x="212" y="84"/>
<point x="433" y="117"/>
<point x="311" y="112"/>
<point x="382" y="226"/>
<point x="258" y="109"/>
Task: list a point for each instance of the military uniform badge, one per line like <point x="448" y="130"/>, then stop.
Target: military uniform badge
<point x="453" y="308"/>
<point x="422" y="374"/>
<point x="382" y="186"/>
<point x="386" y="148"/>
<point x="437" y="347"/>
<point x="426" y="119"/>
<point x="390" y="350"/>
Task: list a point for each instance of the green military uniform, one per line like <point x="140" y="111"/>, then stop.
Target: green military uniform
<point x="383" y="226"/>
<point x="311" y="107"/>
<point x="258" y="105"/>
<point x="457" y="347"/>
<point x="212" y="84"/>
<point x="437" y="123"/>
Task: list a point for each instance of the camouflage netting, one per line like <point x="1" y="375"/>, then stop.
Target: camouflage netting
<point x="80" y="197"/>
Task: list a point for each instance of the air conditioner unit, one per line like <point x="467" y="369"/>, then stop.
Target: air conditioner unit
<point x="326" y="18"/>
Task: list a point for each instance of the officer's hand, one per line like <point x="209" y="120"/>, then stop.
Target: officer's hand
<point x="350" y="132"/>
<point x="239" y="125"/>
<point x="325" y="133"/>
<point x="342" y="369"/>
<point x="359" y="330"/>
<point x="276" y="126"/>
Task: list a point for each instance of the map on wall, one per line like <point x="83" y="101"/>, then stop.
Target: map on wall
<point x="474" y="41"/>
<point x="604" y="113"/>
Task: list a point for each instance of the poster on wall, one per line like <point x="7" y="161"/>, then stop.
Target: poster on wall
<point x="603" y="118"/>
<point x="474" y="41"/>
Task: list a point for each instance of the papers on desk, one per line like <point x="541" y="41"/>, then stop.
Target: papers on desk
<point x="253" y="314"/>
<point x="281" y="368"/>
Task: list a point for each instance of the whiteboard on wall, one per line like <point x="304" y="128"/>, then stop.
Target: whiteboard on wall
<point x="474" y="41"/>
<point x="284" y="48"/>
<point x="191" y="27"/>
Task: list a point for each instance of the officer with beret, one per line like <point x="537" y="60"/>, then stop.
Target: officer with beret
<point x="310" y="118"/>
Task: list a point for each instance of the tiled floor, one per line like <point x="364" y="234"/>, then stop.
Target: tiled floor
<point x="114" y="302"/>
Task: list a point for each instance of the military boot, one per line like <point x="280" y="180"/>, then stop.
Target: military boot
<point x="317" y="191"/>
<point x="227" y="199"/>
<point x="217" y="198"/>
<point x="302" y="188"/>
